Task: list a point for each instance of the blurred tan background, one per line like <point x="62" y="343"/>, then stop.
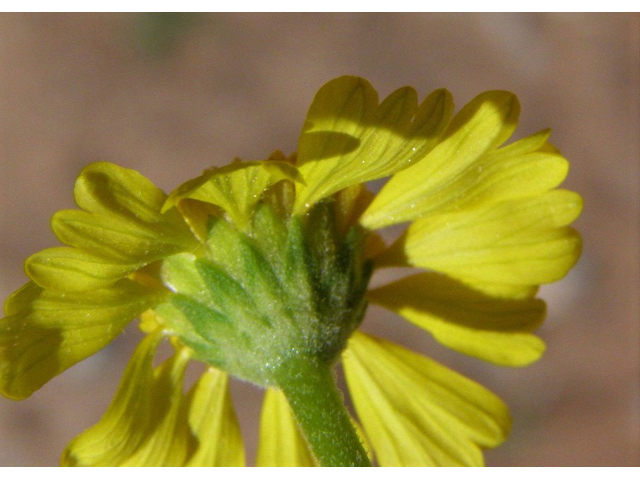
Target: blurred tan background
<point x="170" y="97"/>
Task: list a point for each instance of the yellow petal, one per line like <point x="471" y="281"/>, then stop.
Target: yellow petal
<point x="516" y="242"/>
<point x="533" y="143"/>
<point x="493" y="178"/>
<point x="349" y="139"/>
<point x="490" y="328"/>
<point x="131" y="202"/>
<point x="213" y="423"/>
<point x="126" y="423"/>
<point x="107" y="189"/>
<point x="167" y="440"/>
<point x="451" y="168"/>
<point x="146" y="424"/>
<point x="74" y="270"/>
<point x="237" y="188"/>
<point x="349" y="205"/>
<point x="197" y="215"/>
<point x="417" y="412"/>
<point x="46" y="332"/>
<point x="281" y="443"/>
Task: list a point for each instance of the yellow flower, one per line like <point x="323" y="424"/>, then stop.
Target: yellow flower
<point x="260" y="270"/>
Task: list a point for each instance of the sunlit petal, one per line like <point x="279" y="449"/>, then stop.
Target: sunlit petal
<point x="416" y="412"/>
<point x="349" y="139"/>
<point x="518" y="242"/>
<point x="492" y="328"/>
<point x="451" y="168"/>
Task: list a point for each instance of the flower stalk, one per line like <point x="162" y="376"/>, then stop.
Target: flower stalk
<point x="318" y="406"/>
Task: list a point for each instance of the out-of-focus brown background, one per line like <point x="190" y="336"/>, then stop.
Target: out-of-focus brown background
<point x="172" y="96"/>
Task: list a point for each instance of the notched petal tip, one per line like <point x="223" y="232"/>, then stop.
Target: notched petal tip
<point x="396" y="112"/>
<point x="107" y="188"/>
<point x="433" y="115"/>
<point x="349" y="139"/>
<point x="521" y="241"/>
<point x="452" y="160"/>
<point x="348" y="96"/>
<point x="491" y="118"/>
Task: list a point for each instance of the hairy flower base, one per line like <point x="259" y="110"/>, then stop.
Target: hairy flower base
<point x="287" y="287"/>
<point x="260" y="270"/>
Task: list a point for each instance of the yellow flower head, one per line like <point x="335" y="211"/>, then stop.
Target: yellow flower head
<point x="260" y="270"/>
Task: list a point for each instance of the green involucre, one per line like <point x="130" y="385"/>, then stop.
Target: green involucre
<point x="287" y="287"/>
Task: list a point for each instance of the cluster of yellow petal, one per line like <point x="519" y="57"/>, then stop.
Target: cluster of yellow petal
<point x="417" y="412"/>
<point x="151" y="423"/>
<point x="118" y="230"/>
<point x="483" y="214"/>
<point x="485" y="223"/>
<point x="79" y="298"/>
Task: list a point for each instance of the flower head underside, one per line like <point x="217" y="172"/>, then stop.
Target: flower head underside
<point x="260" y="270"/>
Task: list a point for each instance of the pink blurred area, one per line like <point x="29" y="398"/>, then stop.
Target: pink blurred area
<point x="78" y="88"/>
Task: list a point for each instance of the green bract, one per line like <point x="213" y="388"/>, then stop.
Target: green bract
<point x="260" y="270"/>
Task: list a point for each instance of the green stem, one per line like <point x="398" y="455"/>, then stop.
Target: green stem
<point x="317" y="404"/>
